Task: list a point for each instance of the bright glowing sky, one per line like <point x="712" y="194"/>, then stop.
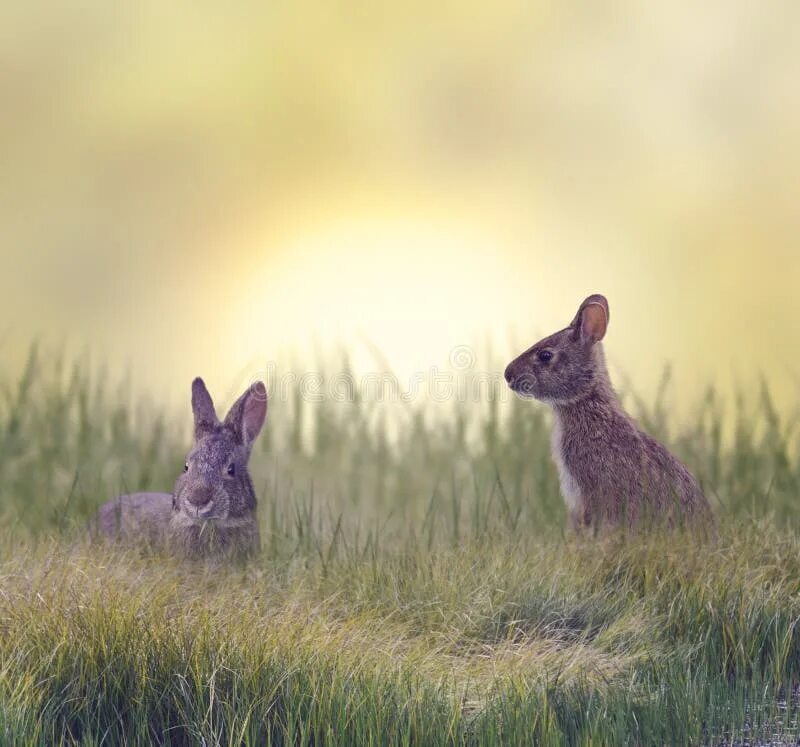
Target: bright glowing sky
<point x="199" y="190"/>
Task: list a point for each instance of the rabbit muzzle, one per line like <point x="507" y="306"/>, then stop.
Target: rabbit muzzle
<point x="521" y="380"/>
<point x="201" y="499"/>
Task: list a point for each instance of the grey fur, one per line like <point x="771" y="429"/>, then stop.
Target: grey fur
<point x="213" y="507"/>
<point x="611" y="472"/>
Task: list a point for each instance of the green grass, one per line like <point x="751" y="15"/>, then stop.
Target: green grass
<point x="414" y="588"/>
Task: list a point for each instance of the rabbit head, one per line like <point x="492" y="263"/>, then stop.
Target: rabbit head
<point x="215" y="484"/>
<point x="567" y="365"/>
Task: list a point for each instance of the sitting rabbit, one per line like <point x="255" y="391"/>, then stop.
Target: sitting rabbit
<point x="213" y="508"/>
<point x="610" y="471"/>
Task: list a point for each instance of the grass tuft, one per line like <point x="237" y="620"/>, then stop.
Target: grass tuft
<point x="414" y="587"/>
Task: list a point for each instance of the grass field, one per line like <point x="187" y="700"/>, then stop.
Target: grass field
<point x="416" y="585"/>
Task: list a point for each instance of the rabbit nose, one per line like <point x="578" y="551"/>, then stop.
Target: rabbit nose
<point x="200" y="496"/>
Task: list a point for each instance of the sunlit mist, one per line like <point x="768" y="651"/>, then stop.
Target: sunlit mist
<point x="208" y="189"/>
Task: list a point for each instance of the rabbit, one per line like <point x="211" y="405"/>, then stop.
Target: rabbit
<point x="610" y="471"/>
<point x="213" y="507"/>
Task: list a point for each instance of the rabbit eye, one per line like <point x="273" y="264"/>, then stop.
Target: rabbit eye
<point x="231" y="470"/>
<point x="186" y="467"/>
<point x="545" y="356"/>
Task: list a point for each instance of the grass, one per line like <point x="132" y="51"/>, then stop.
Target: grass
<point x="416" y="586"/>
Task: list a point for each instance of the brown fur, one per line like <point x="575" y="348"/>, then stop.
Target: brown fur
<point x="611" y="472"/>
<point x="213" y="507"/>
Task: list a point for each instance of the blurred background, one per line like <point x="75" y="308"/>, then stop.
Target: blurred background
<point x="205" y="188"/>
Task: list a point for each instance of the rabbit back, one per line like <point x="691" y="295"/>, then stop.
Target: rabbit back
<point x="612" y="472"/>
<point x="135" y="516"/>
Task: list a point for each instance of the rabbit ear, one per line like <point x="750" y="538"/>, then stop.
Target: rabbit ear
<point x="205" y="418"/>
<point x="591" y="321"/>
<point x="247" y="415"/>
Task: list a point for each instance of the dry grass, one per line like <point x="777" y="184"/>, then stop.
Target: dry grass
<point x="419" y="592"/>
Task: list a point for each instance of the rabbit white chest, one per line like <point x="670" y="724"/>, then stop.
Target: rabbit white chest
<point x="570" y="491"/>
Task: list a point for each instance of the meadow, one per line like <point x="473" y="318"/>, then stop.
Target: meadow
<point x="416" y="584"/>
